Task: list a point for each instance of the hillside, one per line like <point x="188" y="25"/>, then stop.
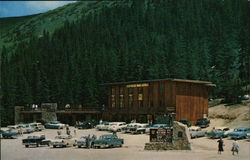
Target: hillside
<point x="230" y="116"/>
<point x="17" y="29"/>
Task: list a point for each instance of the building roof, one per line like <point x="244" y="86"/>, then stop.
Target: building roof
<point x="206" y="83"/>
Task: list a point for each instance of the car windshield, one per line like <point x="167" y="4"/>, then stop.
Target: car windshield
<point x="240" y="129"/>
<point x="159" y="125"/>
<point x="55" y="122"/>
<point x="107" y="137"/>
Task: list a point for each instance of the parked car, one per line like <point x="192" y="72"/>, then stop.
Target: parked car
<point x="26" y="128"/>
<point x="86" y="124"/>
<point x="102" y="126"/>
<point x="9" y="134"/>
<point x="13" y="127"/>
<point x="239" y="133"/>
<point x="35" y="140"/>
<point x="139" y="129"/>
<point x="116" y="126"/>
<point x="128" y="127"/>
<point x="108" y="141"/>
<point x="54" y="125"/>
<point x="218" y="132"/>
<point x="196" y="132"/>
<point x="156" y="126"/>
<point x="186" y="122"/>
<point x="63" y="141"/>
<point x="203" y="122"/>
<point x="85" y="141"/>
<point x="37" y="126"/>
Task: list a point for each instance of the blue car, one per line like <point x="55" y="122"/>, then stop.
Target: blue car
<point x="54" y="125"/>
<point x="108" y="141"/>
<point x="239" y="133"/>
<point x="9" y="134"/>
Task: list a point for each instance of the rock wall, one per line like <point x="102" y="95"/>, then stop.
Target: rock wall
<point x="18" y="116"/>
<point x="181" y="140"/>
<point x="48" y="116"/>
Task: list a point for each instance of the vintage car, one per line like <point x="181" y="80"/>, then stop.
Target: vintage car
<point x="35" y="140"/>
<point x="196" y="132"/>
<point x="203" y="122"/>
<point x="13" y="127"/>
<point x="85" y="141"/>
<point x="86" y="124"/>
<point x="155" y="126"/>
<point x="108" y="141"/>
<point x="54" y="125"/>
<point x="116" y="126"/>
<point x="63" y="141"/>
<point x="37" y="126"/>
<point x="239" y="133"/>
<point x="186" y="122"/>
<point x="218" y="132"/>
<point x="26" y="128"/>
<point x="102" y="126"/>
<point x="128" y="127"/>
<point x="139" y="128"/>
<point x="9" y="134"/>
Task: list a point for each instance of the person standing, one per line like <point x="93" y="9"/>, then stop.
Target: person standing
<point x="235" y="147"/>
<point x="220" y="145"/>
<point x="74" y="132"/>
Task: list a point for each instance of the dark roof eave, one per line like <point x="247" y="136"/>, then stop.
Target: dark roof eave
<point x="168" y="79"/>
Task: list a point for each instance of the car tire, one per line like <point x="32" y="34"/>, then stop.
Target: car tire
<point x="54" y="146"/>
<point x="26" y="146"/>
<point x="37" y="145"/>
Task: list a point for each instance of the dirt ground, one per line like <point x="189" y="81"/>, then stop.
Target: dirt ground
<point x="230" y="116"/>
<point x="133" y="149"/>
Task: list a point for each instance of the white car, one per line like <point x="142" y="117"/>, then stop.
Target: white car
<point x="37" y="126"/>
<point x="128" y="127"/>
<point x="139" y="128"/>
<point x="116" y="126"/>
<point x="196" y="132"/>
<point x="102" y="126"/>
<point x="63" y="141"/>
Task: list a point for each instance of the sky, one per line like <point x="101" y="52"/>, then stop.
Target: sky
<point x="22" y="8"/>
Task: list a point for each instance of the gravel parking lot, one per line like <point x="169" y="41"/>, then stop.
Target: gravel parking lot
<point x="133" y="149"/>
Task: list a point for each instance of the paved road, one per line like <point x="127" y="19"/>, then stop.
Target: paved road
<point x="133" y="149"/>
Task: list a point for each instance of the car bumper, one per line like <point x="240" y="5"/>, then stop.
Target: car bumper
<point x="101" y="145"/>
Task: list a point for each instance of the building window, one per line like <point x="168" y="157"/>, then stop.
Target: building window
<point x="130" y="97"/>
<point x="113" y="97"/>
<point x="121" y="97"/>
<point x="140" y="96"/>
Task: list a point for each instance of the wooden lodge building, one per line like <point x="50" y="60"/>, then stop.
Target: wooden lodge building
<point x="142" y="101"/>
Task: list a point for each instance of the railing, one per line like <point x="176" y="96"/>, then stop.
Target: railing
<point x="85" y="109"/>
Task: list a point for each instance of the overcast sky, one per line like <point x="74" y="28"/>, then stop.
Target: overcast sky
<point x="21" y="8"/>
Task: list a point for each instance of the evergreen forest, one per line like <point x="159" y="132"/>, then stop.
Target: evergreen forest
<point x="118" y="41"/>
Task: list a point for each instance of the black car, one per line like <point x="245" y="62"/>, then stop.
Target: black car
<point x="35" y="141"/>
<point x="185" y="121"/>
<point x="203" y="122"/>
<point x="86" y="124"/>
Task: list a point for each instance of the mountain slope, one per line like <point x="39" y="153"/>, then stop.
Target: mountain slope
<point x="17" y="29"/>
